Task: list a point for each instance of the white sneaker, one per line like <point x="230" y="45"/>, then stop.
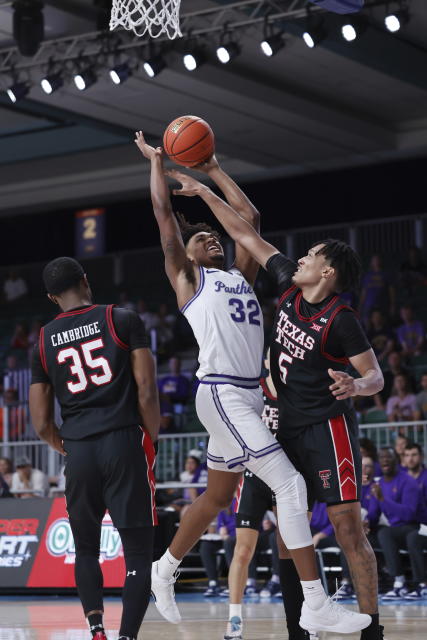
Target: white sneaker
<point x="234" y="629"/>
<point x="164" y="595"/>
<point x="332" y="617"/>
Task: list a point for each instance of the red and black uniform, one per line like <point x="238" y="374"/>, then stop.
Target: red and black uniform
<point x="85" y="354"/>
<point x="254" y="497"/>
<point x="318" y="432"/>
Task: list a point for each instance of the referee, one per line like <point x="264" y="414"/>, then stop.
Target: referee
<point x="96" y="360"/>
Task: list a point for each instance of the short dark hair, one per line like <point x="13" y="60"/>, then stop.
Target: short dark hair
<point x="345" y="260"/>
<point x="62" y="274"/>
<point x="414" y="445"/>
<point x="369" y="447"/>
<point x="189" y="230"/>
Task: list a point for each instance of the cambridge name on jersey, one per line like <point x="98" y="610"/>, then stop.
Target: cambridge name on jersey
<point x="90" y="370"/>
<point x="227" y="322"/>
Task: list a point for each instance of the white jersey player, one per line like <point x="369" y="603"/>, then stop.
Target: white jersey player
<point x="225" y="316"/>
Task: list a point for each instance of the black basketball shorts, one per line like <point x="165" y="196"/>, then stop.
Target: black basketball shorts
<point x="328" y="457"/>
<point x="254" y="498"/>
<point x="111" y="471"/>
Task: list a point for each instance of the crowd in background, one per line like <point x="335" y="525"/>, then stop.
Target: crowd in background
<point x="394" y="496"/>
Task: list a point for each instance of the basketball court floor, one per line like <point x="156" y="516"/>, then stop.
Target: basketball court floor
<point x="61" y="619"/>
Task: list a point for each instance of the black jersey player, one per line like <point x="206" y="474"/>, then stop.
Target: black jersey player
<point x="96" y="360"/>
<point x="315" y="337"/>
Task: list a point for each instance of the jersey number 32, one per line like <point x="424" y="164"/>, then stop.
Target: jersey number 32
<point x="72" y="355"/>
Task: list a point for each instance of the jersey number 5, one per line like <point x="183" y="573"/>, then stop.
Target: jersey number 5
<point x="72" y="354"/>
<point x="284" y="359"/>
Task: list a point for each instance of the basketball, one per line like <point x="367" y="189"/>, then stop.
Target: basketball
<point x="189" y="141"/>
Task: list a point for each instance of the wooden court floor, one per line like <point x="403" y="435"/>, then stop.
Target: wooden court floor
<point x="61" y="619"/>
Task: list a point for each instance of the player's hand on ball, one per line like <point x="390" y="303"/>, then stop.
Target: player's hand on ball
<point x="344" y="386"/>
<point x="190" y="186"/>
<point x="207" y="166"/>
<point x="147" y="150"/>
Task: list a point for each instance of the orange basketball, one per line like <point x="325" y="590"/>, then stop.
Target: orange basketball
<point x="189" y="140"/>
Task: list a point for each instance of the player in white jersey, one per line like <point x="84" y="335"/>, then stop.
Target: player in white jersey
<point x="225" y="316"/>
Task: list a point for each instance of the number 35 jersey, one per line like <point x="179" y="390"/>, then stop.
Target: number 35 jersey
<point x="85" y="358"/>
<point x="226" y="319"/>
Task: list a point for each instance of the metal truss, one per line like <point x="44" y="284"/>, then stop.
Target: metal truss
<point x="238" y="15"/>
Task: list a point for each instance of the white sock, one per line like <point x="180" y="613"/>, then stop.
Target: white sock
<point x="167" y="565"/>
<point x="275" y="579"/>
<point x="235" y="610"/>
<point x="314" y="593"/>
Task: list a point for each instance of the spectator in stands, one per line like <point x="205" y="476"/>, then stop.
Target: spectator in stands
<point x="169" y="319"/>
<point x="20" y="337"/>
<point x="124" y="301"/>
<point x="377" y="291"/>
<point x="28" y="482"/>
<point x="398" y="497"/>
<point x="402" y="404"/>
<point x="410" y="334"/>
<point x="17" y="377"/>
<point x="33" y="336"/>
<point x="165" y="339"/>
<point x="413" y="270"/>
<point x="14" y="416"/>
<point x="149" y="319"/>
<point x="4" y="488"/>
<point x="380" y="335"/>
<point x="267" y="539"/>
<point x="417" y="540"/>
<point x="369" y="450"/>
<point x="194" y="471"/>
<point x="399" y="448"/>
<point x="220" y="535"/>
<point x="174" y="388"/>
<point x="6" y="470"/>
<point x="394" y="368"/>
<point x="422" y="398"/>
<point x="14" y="287"/>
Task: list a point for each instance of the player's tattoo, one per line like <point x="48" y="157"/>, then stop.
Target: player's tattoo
<point x="340" y="513"/>
<point x="363" y="571"/>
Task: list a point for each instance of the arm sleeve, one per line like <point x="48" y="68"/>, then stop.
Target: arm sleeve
<point x="348" y="338"/>
<point x="38" y="374"/>
<point x="130" y="329"/>
<point x="406" y="510"/>
<point x="281" y="269"/>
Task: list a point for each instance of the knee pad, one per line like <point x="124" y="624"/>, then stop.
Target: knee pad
<point x="293" y="494"/>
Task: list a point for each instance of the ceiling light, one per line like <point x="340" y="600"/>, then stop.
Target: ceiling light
<point x="396" y="20"/>
<point x="227" y="52"/>
<point x="85" y="79"/>
<point x="120" y="73"/>
<point x="18" y="91"/>
<point x="272" y="45"/>
<point x="314" y="34"/>
<point x="153" y="66"/>
<point x="194" y="58"/>
<point x="52" y="83"/>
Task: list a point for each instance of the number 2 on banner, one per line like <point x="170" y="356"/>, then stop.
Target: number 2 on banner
<point x="76" y="367"/>
<point x="283" y="369"/>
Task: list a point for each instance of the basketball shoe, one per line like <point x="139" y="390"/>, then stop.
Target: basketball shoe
<point x="332" y="617"/>
<point x="164" y="595"/>
<point x="234" y="629"/>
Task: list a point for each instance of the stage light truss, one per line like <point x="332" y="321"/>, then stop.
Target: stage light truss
<point x="239" y="15"/>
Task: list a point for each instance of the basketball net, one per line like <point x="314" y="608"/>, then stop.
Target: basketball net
<point x="156" y="17"/>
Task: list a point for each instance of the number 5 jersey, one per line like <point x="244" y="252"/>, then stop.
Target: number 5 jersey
<point x="85" y="354"/>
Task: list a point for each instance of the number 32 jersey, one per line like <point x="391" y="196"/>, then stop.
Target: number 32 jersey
<point x="226" y="319"/>
<point x="87" y="361"/>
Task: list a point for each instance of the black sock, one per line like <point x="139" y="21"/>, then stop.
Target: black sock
<point x="138" y="553"/>
<point x="373" y="631"/>
<point x="292" y="598"/>
<point x="95" y="623"/>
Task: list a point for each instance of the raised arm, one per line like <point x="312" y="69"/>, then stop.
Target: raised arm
<point x="241" y="205"/>
<point x="237" y="228"/>
<point x="178" y="267"/>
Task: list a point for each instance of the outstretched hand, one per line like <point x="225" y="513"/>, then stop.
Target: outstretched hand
<point x="344" y="386"/>
<point x="190" y="186"/>
<point x="147" y="151"/>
